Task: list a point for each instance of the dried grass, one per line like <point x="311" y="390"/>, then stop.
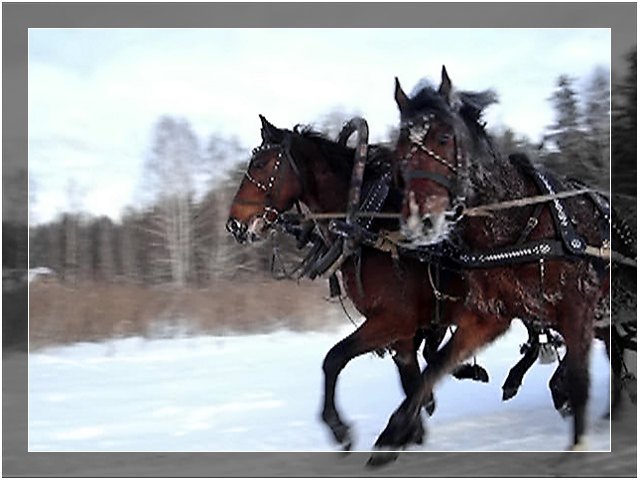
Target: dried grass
<point x="61" y="313"/>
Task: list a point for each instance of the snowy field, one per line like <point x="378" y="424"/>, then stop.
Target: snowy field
<point x="263" y="393"/>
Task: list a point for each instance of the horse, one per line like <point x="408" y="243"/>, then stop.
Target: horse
<point x="450" y="165"/>
<point x="393" y="295"/>
<point x="623" y="336"/>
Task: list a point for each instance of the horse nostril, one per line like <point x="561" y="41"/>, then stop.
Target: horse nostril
<point x="427" y="223"/>
<point x="231" y="225"/>
<point x="234" y="226"/>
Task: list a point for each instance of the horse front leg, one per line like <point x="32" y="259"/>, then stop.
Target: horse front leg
<point x="433" y="336"/>
<point x="373" y="334"/>
<point x="407" y="363"/>
<point x="472" y="333"/>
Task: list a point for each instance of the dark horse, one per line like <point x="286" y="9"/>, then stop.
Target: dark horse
<point x="430" y="126"/>
<point x="394" y="295"/>
<point x="450" y="165"/>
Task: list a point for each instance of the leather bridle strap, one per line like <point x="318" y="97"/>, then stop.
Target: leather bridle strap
<point x="418" y="132"/>
<point x="433" y="176"/>
<point x="275" y="177"/>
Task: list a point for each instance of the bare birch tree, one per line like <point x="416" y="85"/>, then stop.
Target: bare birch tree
<point x="169" y="173"/>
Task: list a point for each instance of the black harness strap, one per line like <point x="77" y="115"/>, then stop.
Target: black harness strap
<point x="532" y="223"/>
<point x="433" y="176"/>
<point x="548" y="184"/>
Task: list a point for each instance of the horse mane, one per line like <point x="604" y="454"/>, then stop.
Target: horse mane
<point x="426" y="99"/>
<point x="489" y="172"/>
<point x="340" y="157"/>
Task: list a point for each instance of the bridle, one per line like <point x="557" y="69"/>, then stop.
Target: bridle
<point x="273" y="184"/>
<point x="418" y="129"/>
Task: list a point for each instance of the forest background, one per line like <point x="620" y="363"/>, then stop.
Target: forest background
<point x="168" y="265"/>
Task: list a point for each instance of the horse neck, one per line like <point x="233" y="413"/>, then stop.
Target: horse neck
<point x="496" y="180"/>
<point x="325" y="191"/>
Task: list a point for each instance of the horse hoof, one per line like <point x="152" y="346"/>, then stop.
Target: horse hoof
<point x="380" y="459"/>
<point x="481" y="375"/>
<point x="417" y="435"/>
<point x="430" y="405"/>
<point x="508" y="393"/>
<point x="346" y="444"/>
<point x="581" y="446"/>
<point x="565" y="410"/>
<point x="472" y="372"/>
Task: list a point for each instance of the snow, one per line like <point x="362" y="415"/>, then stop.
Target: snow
<point x="263" y="393"/>
<point x="36" y="272"/>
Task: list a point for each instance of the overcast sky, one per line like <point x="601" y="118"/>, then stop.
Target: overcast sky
<point x="95" y="94"/>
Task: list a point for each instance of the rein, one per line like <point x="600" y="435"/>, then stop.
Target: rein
<point x="479" y="211"/>
<point x="485" y="210"/>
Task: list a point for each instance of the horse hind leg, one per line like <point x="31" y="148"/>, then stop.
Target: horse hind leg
<point x="559" y="390"/>
<point x="465" y="371"/>
<point x="517" y="372"/>
<point x="578" y="341"/>
<point x="615" y="354"/>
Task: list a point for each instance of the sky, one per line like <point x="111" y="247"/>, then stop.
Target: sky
<point x="96" y="94"/>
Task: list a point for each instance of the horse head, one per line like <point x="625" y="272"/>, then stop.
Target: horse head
<point x="433" y="153"/>
<point x="270" y="186"/>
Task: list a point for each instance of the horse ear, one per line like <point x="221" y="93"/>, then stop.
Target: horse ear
<point x="401" y="98"/>
<point x="270" y="133"/>
<point x="445" y="85"/>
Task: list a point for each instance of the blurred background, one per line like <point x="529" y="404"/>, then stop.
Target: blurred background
<point x="138" y="140"/>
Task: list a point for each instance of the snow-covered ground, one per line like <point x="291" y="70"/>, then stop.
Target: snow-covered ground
<point x="263" y="393"/>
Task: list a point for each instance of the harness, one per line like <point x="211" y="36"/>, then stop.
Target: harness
<point x="569" y="244"/>
<point x="328" y="254"/>
<point x="417" y="132"/>
<point x="274" y="177"/>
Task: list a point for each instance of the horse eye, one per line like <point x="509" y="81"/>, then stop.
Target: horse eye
<point x="444" y="138"/>
<point x="260" y="163"/>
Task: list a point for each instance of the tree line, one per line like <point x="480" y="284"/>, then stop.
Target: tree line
<point x="176" y="234"/>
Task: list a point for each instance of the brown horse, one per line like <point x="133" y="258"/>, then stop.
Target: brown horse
<point x="450" y="165"/>
<point x="395" y="296"/>
<point x="427" y="144"/>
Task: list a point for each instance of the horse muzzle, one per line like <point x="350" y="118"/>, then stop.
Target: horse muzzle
<point x="254" y="231"/>
<point x="426" y="221"/>
<point x="238" y="229"/>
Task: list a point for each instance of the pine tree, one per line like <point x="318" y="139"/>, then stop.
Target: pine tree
<point x="624" y="130"/>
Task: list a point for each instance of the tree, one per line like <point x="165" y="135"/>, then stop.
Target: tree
<point x="565" y="134"/>
<point x="507" y="141"/>
<point x="624" y="125"/>
<point x="104" y="243"/>
<point x="130" y="266"/>
<point x="578" y="139"/>
<point x="597" y="116"/>
<point x="71" y="232"/>
<point x="170" y="174"/>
